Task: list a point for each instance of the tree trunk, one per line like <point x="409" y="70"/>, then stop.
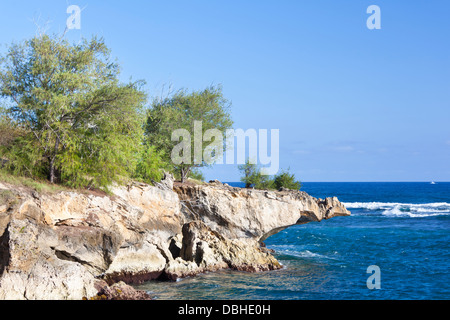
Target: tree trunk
<point x="52" y="170"/>
<point x="184" y="174"/>
<point x="247" y="177"/>
<point x="52" y="173"/>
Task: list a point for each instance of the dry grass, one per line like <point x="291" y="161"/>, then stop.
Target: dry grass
<point x="39" y="186"/>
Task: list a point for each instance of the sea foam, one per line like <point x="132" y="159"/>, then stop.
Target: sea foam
<point x="396" y="209"/>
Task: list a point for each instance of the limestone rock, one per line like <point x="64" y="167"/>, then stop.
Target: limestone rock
<point x="254" y="214"/>
<point x="211" y="251"/>
<point x="135" y="266"/>
<point x="57" y="246"/>
<point x="31" y="270"/>
<point x="167" y="181"/>
<point x="118" y="291"/>
<point x="179" y="268"/>
<point x="75" y="245"/>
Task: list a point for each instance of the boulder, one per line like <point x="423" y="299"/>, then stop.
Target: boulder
<point x="118" y="291"/>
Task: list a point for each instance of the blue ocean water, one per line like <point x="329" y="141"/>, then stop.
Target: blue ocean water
<point x="403" y="228"/>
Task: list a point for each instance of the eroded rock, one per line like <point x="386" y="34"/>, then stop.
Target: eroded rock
<point x="72" y="245"/>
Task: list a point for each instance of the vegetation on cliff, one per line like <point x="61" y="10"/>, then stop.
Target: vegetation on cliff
<point x="253" y="176"/>
<point x="66" y="117"/>
<point x="187" y="112"/>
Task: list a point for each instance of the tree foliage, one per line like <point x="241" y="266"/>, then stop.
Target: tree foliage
<point x="181" y="111"/>
<point x="253" y="176"/>
<point x="286" y="180"/>
<point x="73" y="121"/>
<point x="251" y="173"/>
<point x="151" y="165"/>
<point x="8" y="131"/>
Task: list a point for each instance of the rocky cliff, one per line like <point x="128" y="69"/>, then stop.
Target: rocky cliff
<point x="73" y="245"/>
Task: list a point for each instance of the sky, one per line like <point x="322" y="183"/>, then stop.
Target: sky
<point x="350" y="103"/>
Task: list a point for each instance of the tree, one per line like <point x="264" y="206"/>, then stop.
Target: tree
<point x="200" y="115"/>
<point x="286" y="180"/>
<point x="251" y="173"/>
<point x="264" y="181"/>
<point x="80" y="124"/>
<point x="253" y="176"/>
<point x="151" y="165"/>
<point x="8" y="132"/>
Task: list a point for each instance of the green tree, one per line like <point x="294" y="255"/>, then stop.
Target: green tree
<point x="8" y="132"/>
<point x="286" y="180"/>
<point x="253" y="176"/>
<point x="80" y="125"/>
<point x="151" y="165"/>
<point x="251" y="173"/>
<point x="200" y="114"/>
<point x="264" y="181"/>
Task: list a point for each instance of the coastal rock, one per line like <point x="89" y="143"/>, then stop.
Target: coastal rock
<point x="118" y="291"/>
<point x="245" y="214"/>
<point x="31" y="269"/>
<point x="179" y="268"/>
<point x="135" y="266"/>
<point x="211" y="251"/>
<point x="205" y="250"/>
<point x="75" y="245"/>
<point x="58" y="246"/>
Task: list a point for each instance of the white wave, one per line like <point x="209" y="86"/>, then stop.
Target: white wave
<point x="309" y="254"/>
<point x="412" y="210"/>
<point x="292" y="250"/>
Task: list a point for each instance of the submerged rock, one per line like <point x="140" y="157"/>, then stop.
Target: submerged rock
<point x="72" y="245"/>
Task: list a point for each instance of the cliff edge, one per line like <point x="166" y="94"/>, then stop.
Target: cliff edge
<point x="73" y="245"/>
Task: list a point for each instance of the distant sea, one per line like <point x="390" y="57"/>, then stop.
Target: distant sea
<point x="403" y="228"/>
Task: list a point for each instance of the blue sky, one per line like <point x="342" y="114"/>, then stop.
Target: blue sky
<point x="351" y="104"/>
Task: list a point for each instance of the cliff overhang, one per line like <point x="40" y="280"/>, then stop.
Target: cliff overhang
<point x="72" y="245"/>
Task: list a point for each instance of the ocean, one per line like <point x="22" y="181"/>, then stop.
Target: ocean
<point x="401" y="228"/>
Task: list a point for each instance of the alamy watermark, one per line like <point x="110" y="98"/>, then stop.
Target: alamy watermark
<point x="374" y="21"/>
<point x="374" y="281"/>
<point x="232" y="143"/>
<point x="74" y="20"/>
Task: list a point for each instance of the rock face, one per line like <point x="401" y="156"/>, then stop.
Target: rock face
<point x="84" y="245"/>
<point x="254" y="214"/>
<point x="204" y="249"/>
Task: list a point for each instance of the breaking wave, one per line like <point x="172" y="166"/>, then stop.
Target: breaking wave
<point x="403" y="209"/>
<point x="295" y="251"/>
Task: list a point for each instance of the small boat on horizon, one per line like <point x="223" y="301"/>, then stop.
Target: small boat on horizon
<point x="432" y="182"/>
